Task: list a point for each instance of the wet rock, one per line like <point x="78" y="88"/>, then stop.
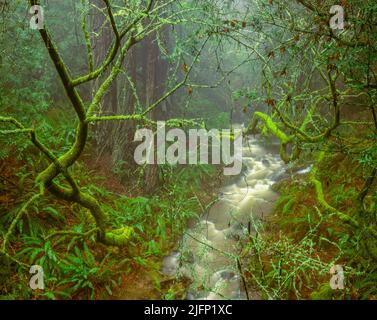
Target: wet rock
<point x="191" y="296"/>
<point x="225" y="288"/>
<point x="279" y="175"/>
<point x="170" y="264"/>
<point x="236" y="231"/>
<point x="227" y="275"/>
<point x="305" y="170"/>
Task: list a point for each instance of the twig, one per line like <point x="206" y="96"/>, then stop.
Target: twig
<point x="239" y="266"/>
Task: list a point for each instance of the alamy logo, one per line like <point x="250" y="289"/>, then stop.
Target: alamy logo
<point x="37" y="20"/>
<point x="337" y="280"/>
<point x="172" y="147"/>
<point x="37" y="280"/>
<point x="337" y="20"/>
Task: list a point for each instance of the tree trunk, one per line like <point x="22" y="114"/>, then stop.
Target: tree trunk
<point x="103" y="133"/>
<point x="151" y="173"/>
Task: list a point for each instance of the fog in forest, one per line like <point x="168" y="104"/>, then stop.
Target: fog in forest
<point x="188" y="150"/>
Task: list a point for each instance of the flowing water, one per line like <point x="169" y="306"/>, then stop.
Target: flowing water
<point x="207" y="251"/>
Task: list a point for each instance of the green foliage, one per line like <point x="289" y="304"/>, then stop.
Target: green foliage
<point x="324" y="233"/>
<point x="368" y="156"/>
<point x="324" y="293"/>
<point x="286" y="202"/>
<point x="83" y="273"/>
<point x="71" y="273"/>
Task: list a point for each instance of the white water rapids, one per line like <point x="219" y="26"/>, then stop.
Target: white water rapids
<point x="206" y="253"/>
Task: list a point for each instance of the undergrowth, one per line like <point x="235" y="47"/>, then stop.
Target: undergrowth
<point x="60" y="237"/>
<point x="291" y="255"/>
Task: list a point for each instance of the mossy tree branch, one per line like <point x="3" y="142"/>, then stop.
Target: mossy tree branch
<point x="60" y="165"/>
<point x="88" y="44"/>
<point x="345" y="218"/>
<point x="114" y="49"/>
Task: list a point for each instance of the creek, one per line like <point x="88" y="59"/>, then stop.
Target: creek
<point x="207" y="253"/>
